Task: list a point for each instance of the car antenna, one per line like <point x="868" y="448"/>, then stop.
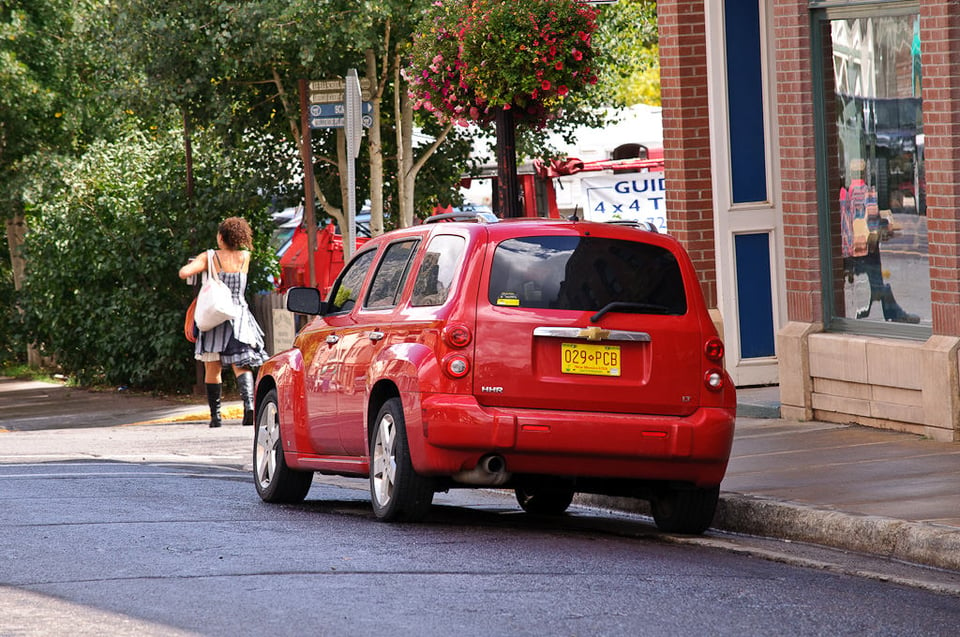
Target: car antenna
<point x="574" y="216"/>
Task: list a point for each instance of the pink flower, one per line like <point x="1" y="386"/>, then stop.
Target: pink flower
<point x="558" y="65"/>
<point x="577" y="55"/>
<point x="545" y="85"/>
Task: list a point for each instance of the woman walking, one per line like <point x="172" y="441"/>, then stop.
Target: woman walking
<point x="237" y="342"/>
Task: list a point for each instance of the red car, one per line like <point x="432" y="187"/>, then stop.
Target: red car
<point x="549" y="357"/>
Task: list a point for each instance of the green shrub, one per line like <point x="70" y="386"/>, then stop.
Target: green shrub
<point x="102" y="293"/>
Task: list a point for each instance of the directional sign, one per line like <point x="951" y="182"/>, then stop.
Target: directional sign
<point x="327" y="91"/>
<point x="337" y="109"/>
<point x="336" y="121"/>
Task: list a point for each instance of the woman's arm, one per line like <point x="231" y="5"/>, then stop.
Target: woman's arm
<point x="195" y="266"/>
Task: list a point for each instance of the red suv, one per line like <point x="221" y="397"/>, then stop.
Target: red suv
<point x="548" y="357"/>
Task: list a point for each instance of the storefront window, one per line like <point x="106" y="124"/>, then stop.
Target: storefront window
<point x="873" y="124"/>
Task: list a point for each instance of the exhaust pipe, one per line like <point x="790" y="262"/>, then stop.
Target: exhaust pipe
<point x="491" y="471"/>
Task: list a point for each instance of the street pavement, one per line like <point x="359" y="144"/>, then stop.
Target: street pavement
<point x="853" y="488"/>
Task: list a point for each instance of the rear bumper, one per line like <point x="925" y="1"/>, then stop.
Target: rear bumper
<point x="451" y="432"/>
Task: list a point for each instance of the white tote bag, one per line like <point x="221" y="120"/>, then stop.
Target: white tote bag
<point x="215" y="301"/>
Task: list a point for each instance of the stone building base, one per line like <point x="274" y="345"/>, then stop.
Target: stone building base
<point x="902" y="385"/>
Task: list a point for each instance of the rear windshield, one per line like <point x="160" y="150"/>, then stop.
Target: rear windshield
<point x="587" y="274"/>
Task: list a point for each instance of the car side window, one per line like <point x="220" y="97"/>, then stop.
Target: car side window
<point x="347" y="289"/>
<point x="390" y="276"/>
<point x="438" y="270"/>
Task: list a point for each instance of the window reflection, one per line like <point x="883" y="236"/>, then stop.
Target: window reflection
<point x="875" y="134"/>
<point x="437" y="271"/>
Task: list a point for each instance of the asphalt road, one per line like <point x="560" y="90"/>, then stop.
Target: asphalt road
<point x="157" y="530"/>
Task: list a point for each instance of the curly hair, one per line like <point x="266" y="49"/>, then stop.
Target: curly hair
<point x="236" y="233"/>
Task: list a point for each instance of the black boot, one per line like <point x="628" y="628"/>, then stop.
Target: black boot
<point x="214" y="391"/>
<point x="892" y="310"/>
<point x="245" y="385"/>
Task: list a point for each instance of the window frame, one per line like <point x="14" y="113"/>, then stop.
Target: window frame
<point x="823" y="12"/>
<point x="333" y="309"/>
<point x="403" y="278"/>
<point x="457" y="269"/>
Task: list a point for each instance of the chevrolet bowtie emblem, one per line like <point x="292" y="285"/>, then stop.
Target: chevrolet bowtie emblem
<point x="594" y="333"/>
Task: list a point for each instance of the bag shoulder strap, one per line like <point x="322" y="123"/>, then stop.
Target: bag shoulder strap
<point x="211" y="270"/>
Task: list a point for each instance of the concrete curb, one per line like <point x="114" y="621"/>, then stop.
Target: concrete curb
<point x="912" y="542"/>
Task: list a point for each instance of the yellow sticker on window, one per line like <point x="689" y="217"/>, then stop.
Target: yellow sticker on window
<point x="508" y="298"/>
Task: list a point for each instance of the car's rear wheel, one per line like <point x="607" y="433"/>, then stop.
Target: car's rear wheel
<point x="545" y="497"/>
<point x="396" y="490"/>
<point x="689" y="511"/>
<point x="275" y="481"/>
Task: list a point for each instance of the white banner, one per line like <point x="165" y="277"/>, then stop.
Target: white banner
<point x="633" y="196"/>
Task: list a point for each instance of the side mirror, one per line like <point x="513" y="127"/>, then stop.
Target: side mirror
<point x="305" y="301"/>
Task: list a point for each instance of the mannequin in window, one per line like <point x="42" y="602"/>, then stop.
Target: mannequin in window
<point x="862" y="230"/>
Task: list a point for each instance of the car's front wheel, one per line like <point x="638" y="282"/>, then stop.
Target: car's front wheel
<point x="396" y="490"/>
<point x="275" y="481"/>
<point x="688" y="511"/>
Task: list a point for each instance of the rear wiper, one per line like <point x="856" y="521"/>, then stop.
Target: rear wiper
<point x="624" y="306"/>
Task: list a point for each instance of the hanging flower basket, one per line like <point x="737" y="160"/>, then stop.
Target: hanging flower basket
<point x="471" y="57"/>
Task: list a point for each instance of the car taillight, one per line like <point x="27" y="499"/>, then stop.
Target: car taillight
<point x="713" y="350"/>
<point x="456" y="365"/>
<point x="457" y="335"/>
<point x="713" y="379"/>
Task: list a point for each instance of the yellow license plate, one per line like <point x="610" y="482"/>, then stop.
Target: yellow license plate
<point x="594" y="360"/>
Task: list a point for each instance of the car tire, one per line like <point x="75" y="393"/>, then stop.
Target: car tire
<point x="545" y="497"/>
<point x="685" y="511"/>
<point x="275" y="481"/>
<point x="397" y="492"/>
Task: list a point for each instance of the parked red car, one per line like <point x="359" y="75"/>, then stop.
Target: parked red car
<point x="550" y="357"/>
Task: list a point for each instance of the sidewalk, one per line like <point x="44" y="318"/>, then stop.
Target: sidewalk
<point x="853" y="488"/>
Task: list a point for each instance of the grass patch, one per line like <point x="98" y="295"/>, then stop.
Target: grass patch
<point x="22" y="371"/>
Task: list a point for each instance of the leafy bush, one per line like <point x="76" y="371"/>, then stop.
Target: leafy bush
<point x="101" y="290"/>
<point x="9" y="350"/>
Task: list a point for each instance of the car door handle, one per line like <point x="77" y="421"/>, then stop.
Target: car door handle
<point x="332" y="339"/>
<point x="375" y="335"/>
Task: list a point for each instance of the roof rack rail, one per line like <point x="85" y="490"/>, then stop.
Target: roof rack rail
<point x="478" y="217"/>
<point x="642" y="225"/>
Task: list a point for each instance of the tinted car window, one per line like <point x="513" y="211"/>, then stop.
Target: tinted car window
<point x="347" y="289"/>
<point x="438" y="269"/>
<point x="586" y="273"/>
<point x="391" y="273"/>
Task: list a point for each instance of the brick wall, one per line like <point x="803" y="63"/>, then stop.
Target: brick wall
<point x="686" y="134"/>
<point x="940" y="29"/>
<point x="797" y="161"/>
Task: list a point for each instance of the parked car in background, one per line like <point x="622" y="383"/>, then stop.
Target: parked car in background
<point x="548" y="357"/>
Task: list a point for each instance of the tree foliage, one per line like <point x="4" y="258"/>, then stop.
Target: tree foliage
<point x="630" y="68"/>
<point x="101" y="292"/>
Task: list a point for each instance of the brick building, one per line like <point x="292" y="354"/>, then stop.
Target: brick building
<point x="812" y="165"/>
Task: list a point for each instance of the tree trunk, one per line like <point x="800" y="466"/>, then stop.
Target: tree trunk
<point x="508" y="190"/>
<point x="407" y="175"/>
<point x="375" y="148"/>
<point x="16" y="231"/>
